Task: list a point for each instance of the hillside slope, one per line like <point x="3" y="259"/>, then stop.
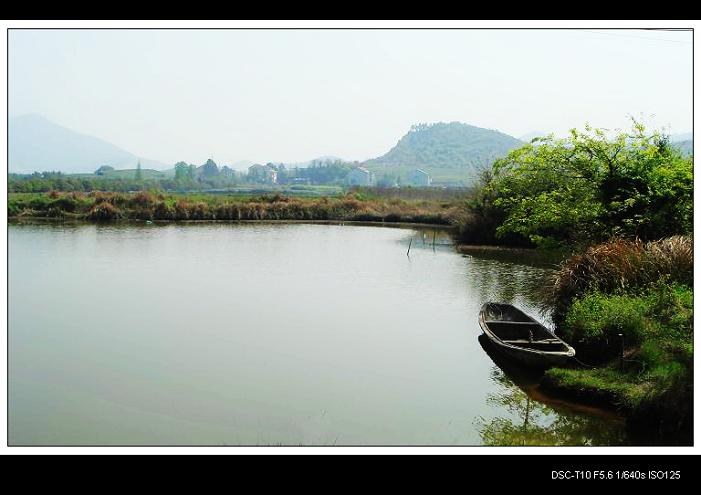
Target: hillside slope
<point x="448" y="151"/>
<point x="37" y="144"/>
<point x="686" y="147"/>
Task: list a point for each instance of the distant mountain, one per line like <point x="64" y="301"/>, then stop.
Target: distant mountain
<point x="685" y="136"/>
<point x="449" y="151"/>
<point x="684" y="141"/>
<point x="686" y="147"/>
<point x="241" y="165"/>
<point x="322" y="159"/>
<point x="37" y="144"/>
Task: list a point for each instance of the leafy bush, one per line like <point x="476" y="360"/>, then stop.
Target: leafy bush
<point x="590" y="187"/>
<point x="658" y="316"/>
<point x="598" y="325"/>
<point x="65" y="203"/>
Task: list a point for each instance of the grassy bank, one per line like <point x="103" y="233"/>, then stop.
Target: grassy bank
<point x="627" y="307"/>
<point x="108" y="206"/>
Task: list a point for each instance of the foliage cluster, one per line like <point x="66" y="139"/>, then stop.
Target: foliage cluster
<point x="587" y="188"/>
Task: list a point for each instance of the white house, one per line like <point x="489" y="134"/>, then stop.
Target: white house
<point x="262" y="173"/>
<point x="419" y="178"/>
<point x="360" y="176"/>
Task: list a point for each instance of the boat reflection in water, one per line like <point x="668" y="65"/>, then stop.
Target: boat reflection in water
<point x="536" y="419"/>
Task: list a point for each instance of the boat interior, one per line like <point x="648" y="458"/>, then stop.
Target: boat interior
<point x="529" y="335"/>
<point x="514" y="327"/>
<point x="504" y="312"/>
<point x="520" y="331"/>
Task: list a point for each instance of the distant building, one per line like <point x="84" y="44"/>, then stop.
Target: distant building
<point x="271" y="176"/>
<point x="262" y="173"/>
<point x="419" y="178"/>
<point x="360" y="176"/>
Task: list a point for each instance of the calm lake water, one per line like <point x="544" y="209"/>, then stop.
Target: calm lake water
<point x="266" y="334"/>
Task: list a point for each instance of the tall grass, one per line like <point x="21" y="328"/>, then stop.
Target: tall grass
<point x="146" y="205"/>
<point x="621" y="265"/>
<point x="104" y="211"/>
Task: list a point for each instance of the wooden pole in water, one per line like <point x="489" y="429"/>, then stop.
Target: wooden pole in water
<point x="434" y="240"/>
<point x="407" y="251"/>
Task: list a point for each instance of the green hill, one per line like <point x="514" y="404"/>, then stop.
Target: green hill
<point x="449" y="152"/>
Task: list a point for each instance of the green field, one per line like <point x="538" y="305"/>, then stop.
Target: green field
<point x="146" y="173"/>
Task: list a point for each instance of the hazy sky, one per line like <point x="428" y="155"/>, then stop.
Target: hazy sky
<point x="292" y="95"/>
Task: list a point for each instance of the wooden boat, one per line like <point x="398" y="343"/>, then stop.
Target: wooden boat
<point x="520" y="337"/>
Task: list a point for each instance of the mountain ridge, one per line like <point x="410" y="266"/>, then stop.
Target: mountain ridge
<point x="422" y="136"/>
<point x="449" y="151"/>
<point x="36" y="144"/>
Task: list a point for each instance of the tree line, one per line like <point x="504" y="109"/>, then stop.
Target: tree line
<point x="186" y="177"/>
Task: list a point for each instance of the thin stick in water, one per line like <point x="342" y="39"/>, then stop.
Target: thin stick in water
<point x="407" y="251"/>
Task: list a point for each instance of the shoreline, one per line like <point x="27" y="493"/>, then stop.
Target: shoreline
<point x="369" y="223"/>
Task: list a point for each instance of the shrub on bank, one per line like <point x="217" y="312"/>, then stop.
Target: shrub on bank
<point x="141" y="200"/>
<point x="104" y="211"/>
<point x="658" y="318"/>
<point x="599" y="325"/>
<point x="163" y="211"/>
<point x="65" y="203"/>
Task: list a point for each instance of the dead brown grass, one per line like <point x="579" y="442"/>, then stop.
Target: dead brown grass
<point x="620" y="265"/>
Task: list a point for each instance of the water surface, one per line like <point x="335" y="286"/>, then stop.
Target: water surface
<point x="261" y="334"/>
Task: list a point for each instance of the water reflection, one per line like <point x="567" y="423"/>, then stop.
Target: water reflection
<point x="522" y="256"/>
<point x="535" y="422"/>
<point x="510" y="282"/>
<point x="261" y="334"/>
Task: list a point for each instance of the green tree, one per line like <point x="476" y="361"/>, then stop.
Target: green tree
<point x="182" y="171"/>
<point x="138" y="175"/>
<point x="103" y="169"/>
<point x="210" y="169"/>
<point x="590" y="186"/>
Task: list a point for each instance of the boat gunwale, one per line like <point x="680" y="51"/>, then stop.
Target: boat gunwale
<point x="570" y="352"/>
